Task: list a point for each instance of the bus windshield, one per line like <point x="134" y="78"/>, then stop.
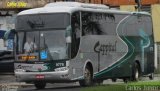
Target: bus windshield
<point x="43" y="42"/>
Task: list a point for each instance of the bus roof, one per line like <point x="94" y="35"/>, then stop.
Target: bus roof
<point x="69" y="7"/>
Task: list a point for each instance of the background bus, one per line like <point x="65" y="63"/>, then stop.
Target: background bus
<point x="6" y="51"/>
<point x="71" y="41"/>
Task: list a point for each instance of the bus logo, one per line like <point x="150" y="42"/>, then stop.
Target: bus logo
<point x="59" y="64"/>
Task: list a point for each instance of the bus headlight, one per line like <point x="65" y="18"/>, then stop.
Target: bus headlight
<point x="20" y="70"/>
<point x="61" y="69"/>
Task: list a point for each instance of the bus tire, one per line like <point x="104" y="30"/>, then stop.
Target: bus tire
<point x="151" y="76"/>
<point x="88" y="79"/>
<point x="125" y="80"/>
<point x="40" y="85"/>
<point x="135" y="72"/>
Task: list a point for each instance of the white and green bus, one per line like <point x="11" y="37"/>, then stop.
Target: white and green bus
<point x="71" y="41"/>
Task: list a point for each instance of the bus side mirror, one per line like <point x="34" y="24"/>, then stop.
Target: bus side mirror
<point x="68" y="34"/>
<point x="13" y="30"/>
<point x="8" y="33"/>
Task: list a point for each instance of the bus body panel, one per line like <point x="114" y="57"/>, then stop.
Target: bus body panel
<point x="119" y="63"/>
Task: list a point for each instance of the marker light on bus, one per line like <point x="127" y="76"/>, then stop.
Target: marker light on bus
<point x="27" y="57"/>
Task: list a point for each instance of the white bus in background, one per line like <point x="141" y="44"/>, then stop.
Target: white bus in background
<point x="71" y="41"/>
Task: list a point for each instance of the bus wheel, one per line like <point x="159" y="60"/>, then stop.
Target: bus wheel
<point x="125" y="80"/>
<point x="136" y="72"/>
<point x="87" y="81"/>
<point x="151" y="76"/>
<point x="40" y="85"/>
<point x="114" y="79"/>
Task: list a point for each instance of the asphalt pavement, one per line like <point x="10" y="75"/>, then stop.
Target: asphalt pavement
<point x="8" y="83"/>
<point x="55" y="87"/>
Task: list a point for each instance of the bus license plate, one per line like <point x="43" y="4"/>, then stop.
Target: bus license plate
<point x="39" y="76"/>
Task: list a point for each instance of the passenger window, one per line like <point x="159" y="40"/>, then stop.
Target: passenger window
<point x="90" y="25"/>
<point x="98" y="23"/>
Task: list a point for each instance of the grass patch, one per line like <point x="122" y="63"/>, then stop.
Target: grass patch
<point x="132" y="86"/>
<point x="145" y="83"/>
<point x="105" y="88"/>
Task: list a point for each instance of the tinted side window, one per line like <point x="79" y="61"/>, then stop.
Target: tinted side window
<point x="135" y="24"/>
<point x="89" y="25"/>
<point x="100" y="23"/>
<point x="148" y="24"/>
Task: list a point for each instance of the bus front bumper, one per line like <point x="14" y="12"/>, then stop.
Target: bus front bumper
<point x="60" y="76"/>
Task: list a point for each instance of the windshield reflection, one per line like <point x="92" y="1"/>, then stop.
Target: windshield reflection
<point x="54" y="44"/>
<point x="50" y="44"/>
